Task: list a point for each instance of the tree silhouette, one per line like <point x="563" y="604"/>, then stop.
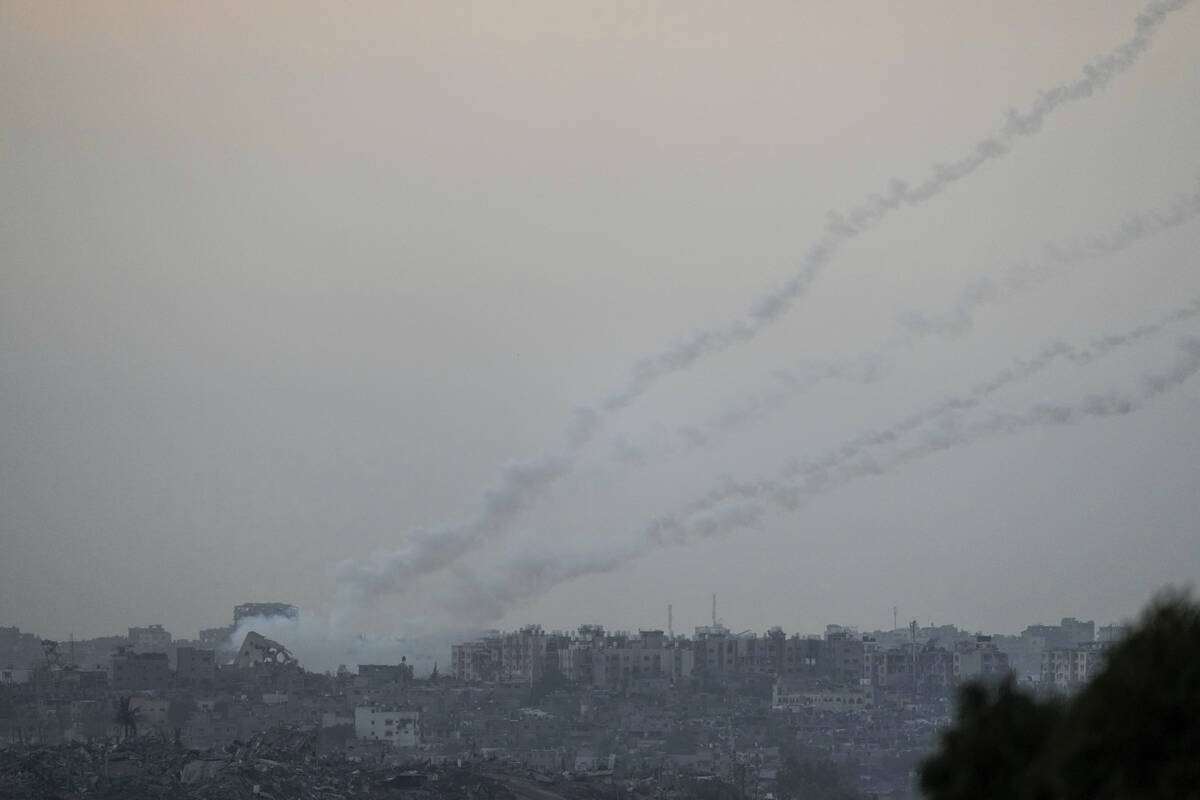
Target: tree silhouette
<point x="995" y="747"/>
<point x="128" y="717"/>
<point x="1132" y="732"/>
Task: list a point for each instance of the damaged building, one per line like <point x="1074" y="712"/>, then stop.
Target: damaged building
<point x="257" y="649"/>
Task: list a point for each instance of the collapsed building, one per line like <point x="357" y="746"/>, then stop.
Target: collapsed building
<point x="257" y="649"/>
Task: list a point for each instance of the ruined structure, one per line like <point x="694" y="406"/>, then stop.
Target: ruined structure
<point x="258" y="649"/>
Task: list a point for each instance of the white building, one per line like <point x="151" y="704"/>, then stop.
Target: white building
<point x="400" y="728"/>
<point x="1071" y="667"/>
<point x="789" y="695"/>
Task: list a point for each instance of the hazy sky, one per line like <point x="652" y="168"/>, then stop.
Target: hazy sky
<point x="280" y="281"/>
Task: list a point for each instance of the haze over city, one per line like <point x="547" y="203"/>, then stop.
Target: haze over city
<point x="451" y="316"/>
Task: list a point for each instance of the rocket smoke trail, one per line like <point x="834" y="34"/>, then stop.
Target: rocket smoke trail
<point x="733" y="505"/>
<point x="841" y="227"/>
<point x="853" y="458"/>
<point x="519" y="482"/>
<point x="958" y="320"/>
<point x="429" y="548"/>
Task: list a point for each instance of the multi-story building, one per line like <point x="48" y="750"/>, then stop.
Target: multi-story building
<point x="714" y="650"/>
<point x="523" y="655"/>
<point x="1068" y="634"/>
<point x="1024" y="654"/>
<point x="150" y="639"/>
<point x="613" y="661"/>
<point x="979" y="659"/>
<point x="477" y="661"/>
<point x="891" y="668"/>
<point x="216" y="637"/>
<point x="1071" y="667"/>
<point x="132" y="671"/>
<point x="397" y="727"/>
<point x="195" y="665"/>
<point x="841" y="658"/>
<point x="1110" y="634"/>
<point x="935" y="669"/>
<point x="1077" y="632"/>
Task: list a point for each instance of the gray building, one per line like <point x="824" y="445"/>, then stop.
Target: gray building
<point x="136" y="672"/>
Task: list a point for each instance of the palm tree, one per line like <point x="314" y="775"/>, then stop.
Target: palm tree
<point x="128" y="716"/>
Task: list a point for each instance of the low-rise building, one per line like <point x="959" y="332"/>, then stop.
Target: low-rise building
<point x="788" y="693"/>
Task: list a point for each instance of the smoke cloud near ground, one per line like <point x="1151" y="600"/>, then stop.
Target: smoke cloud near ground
<point x="734" y="505"/>
<point x="519" y="482"/>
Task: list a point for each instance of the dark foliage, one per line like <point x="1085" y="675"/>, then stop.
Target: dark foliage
<point x="995" y="747"/>
<point x="127" y="716"/>
<point x="1132" y="732"/>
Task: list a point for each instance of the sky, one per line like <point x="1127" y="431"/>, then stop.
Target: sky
<point x="282" y="283"/>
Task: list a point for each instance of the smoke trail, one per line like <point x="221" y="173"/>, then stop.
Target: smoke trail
<point x="853" y="457"/>
<point x="841" y="227"/>
<point x="958" y="320"/>
<point x="426" y="549"/>
<point x="736" y="505"/>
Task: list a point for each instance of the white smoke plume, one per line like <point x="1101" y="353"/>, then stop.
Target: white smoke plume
<point x="430" y="548"/>
<point x="736" y="505"/>
<point x="426" y="549"/>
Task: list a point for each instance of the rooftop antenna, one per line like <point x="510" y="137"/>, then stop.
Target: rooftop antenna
<point x="894" y="623"/>
<point x="912" y="629"/>
<point x="714" y="613"/>
<point x="670" y="625"/>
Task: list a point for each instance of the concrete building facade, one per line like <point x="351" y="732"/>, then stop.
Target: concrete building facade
<point x="399" y="728"/>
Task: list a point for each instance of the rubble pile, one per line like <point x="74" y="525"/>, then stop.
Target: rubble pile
<point x="276" y="764"/>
